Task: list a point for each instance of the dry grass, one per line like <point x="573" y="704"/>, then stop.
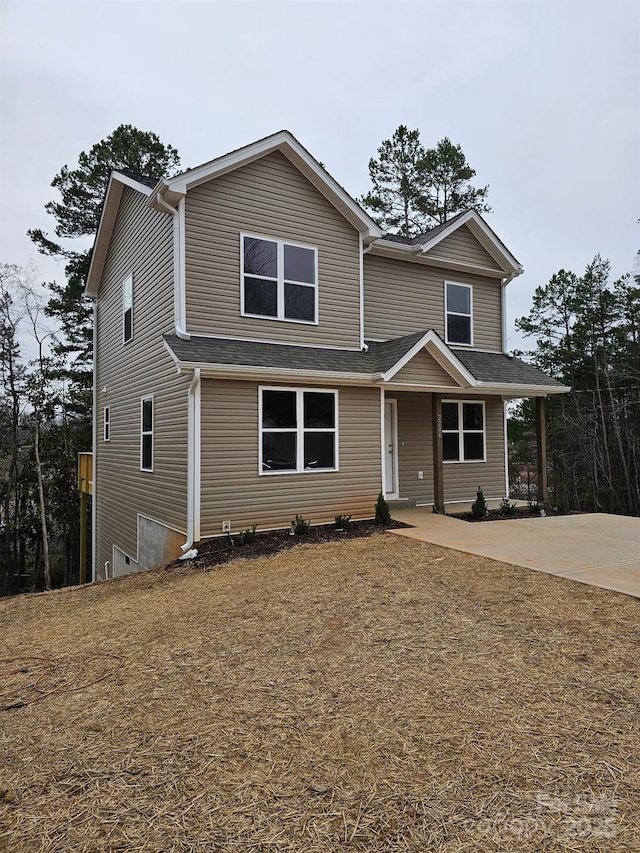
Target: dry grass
<point x="375" y="694"/>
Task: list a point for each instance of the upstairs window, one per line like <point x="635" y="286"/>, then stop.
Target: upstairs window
<point x="463" y="431"/>
<point x="146" y="434"/>
<point x="279" y="280"/>
<point x="107" y="423"/>
<point x="127" y="309"/>
<point x="298" y="431"/>
<point x="459" y="313"/>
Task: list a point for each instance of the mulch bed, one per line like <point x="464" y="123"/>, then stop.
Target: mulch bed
<point x="519" y="512"/>
<point x="369" y="695"/>
<point x="218" y="550"/>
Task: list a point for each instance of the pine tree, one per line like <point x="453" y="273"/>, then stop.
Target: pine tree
<point x="449" y="189"/>
<point x="77" y="215"/>
<point x="415" y="189"/>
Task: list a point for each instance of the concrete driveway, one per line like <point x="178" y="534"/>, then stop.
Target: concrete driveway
<point x="598" y="549"/>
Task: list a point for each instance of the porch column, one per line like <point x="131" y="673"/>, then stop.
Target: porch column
<point x="541" y="438"/>
<point x="438" y="468"/>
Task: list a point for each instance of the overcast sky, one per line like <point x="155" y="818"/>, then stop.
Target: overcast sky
<point x="543" y="97"/>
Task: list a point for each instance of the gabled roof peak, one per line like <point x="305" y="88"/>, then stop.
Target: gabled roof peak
<point x="171" y="190"/>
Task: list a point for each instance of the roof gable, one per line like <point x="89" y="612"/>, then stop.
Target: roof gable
<point x="491" y="255"/>
<point x="463" y="247"/>
<point x="110" y="206"/>
<point x="172" y="189"/>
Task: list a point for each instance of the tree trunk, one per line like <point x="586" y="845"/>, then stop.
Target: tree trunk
<point x="43" y="517"/>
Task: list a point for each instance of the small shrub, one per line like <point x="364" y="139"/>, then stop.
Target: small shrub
<point x="479" y="507"/>
<point x="300" y="525"/>
<point x="341" y="522"/>
<point x="248" y="536"/>
<point x="537" y="508"/>
<point x="507" y="508"/>
<point x="383" y="515"/>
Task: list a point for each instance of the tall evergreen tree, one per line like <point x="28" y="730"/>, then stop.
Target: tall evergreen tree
<point x="399" y="197"/>
<point x="415" y="188"/>
<point x="77" y="215"/>
<point x="448" y="180"/>
<point x="586" y="331"/>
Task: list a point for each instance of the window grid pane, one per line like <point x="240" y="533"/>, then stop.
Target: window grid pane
<point x="464" y="439"/>
<point x="298" y="431"/>
<point x="279" y="280"/>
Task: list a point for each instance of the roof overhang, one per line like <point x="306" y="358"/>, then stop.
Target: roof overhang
<point x="426" y="252"/>
<point x="171" y="190"/>
<point x="485" y="236"/>
<point x="441" y="353"/>
<point x="110" y="206"/>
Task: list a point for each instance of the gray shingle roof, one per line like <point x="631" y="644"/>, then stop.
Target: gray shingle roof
<point x="426" y="235"/>
<point x="380" y="357"/>
<point x="503" y="369"/>
<point x="147" y="180"/>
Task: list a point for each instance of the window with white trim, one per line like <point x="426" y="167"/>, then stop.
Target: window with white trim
<point x="298" y="430"/>
<point x="279" y="280"/>
<point x="458" y="301"/>
<point x="463" y="431"/>
<point x="146" y="434"/>
<point x="106" y="421"/>
<point x="127" y="309"/>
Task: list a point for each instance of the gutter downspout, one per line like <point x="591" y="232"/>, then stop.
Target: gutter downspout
<point x="363" y="251"/>
<point x="178" y="265"/>
<point x="193" y="462"/>
<point x="503" y="309"/>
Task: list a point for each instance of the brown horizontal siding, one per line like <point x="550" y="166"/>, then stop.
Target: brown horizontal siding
<point x="415" y="452"/>
<point x="463" y="247"/>
<point x="424" y="369"/>
<point x="142" y="244"/>
<point x="268" y="197"/>
<point x="401" y="297"/>
<point x="233" y="490"/>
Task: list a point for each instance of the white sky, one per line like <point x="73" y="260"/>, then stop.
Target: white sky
<point x="543" y="97"/>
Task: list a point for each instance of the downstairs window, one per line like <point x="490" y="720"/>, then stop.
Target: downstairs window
<point x="298" y="430"/>
<point x="463" y="431"/>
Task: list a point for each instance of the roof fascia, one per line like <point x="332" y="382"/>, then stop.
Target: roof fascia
<point x="388" y="249"/>
<point x="485" y="235"/>
<point x="516" y="390"/>
<point x="110" y="206"/>
<point x="286" y="143"/>
<point x="441" y="353"/>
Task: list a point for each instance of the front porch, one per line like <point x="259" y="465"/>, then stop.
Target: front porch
<point x="428" y="460"/>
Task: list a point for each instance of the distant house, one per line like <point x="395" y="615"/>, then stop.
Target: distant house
<point x="262" y="349"/>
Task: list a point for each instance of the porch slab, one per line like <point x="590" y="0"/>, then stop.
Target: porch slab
<point x="599" y="549"/>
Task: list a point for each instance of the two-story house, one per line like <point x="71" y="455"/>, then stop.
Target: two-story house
<point x="262" y="349"/>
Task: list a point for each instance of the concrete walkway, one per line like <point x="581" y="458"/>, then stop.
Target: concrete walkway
<point x="598" y="549"/>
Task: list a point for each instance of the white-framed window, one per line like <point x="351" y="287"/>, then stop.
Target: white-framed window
<point x="146" y="433"/>
<point x="298" y="430"/>
<point x="106" y="422"/>
<point x="458" y="308"/>
<point x="127" y="309"/>
<point x="278" y="279"/>
<point x="463" y="431"/>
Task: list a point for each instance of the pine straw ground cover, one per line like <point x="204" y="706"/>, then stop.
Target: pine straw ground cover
<point x="373" y="694"/>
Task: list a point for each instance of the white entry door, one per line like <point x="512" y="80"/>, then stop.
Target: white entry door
<point x="391" y="450"/>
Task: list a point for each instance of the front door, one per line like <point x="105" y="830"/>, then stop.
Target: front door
<point x="391" y="450"/>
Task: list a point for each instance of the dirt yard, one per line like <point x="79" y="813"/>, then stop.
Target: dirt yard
<point x="371" y="694"/>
